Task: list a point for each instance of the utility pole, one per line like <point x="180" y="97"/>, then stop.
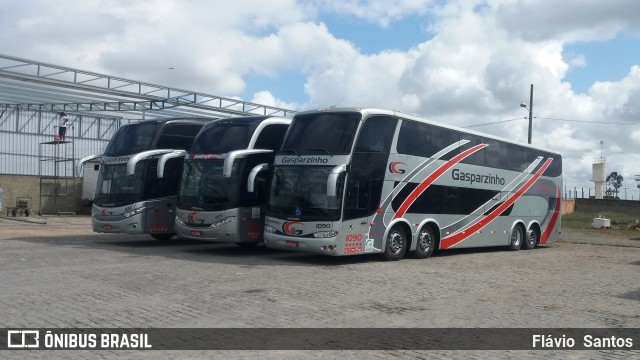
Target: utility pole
<point x="530" y="109"/>
<point x="530" y="113"/>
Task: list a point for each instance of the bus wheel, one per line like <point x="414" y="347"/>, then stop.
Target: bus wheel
<point x="162" y="237"/>
<point x="517" y="235"/>
<point x="531" y="241"/>
<point x="396" y="244"/>
<point x="426" y="243"/>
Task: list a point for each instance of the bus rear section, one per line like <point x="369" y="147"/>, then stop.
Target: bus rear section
<point x="382" y="182"/>
<point x="132" y="195"/>
<point x="224" y="187"/>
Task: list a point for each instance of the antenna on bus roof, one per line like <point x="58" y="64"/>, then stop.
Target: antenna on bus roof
<point x="338" y="103"/>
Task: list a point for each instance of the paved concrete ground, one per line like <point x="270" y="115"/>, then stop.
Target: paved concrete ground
<point x="56" y="273"/>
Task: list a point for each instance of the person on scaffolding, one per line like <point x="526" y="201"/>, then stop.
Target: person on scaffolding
<point x="62" y="125"/>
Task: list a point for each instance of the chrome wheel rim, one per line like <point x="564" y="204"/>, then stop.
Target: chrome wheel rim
<point x="516" y="237"/>
<point x="532" y="239"/>
<point x="425" y="240"/>
<point x="396" y="242"/>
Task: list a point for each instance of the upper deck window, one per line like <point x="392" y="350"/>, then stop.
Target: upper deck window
<point x="322" y="133"/>
<point x="222" y="137"/>
<point x="132" y="139"/>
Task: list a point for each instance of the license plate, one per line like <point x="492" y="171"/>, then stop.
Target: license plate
<point x="106" y="227"/>
<point x="292" y="244"/>
<point x="196" y="233"/>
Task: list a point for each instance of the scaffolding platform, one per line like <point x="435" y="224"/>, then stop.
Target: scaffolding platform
<point x="57" y="181"/>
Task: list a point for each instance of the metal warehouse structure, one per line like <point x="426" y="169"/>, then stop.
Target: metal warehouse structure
<point x="32" y="93"/>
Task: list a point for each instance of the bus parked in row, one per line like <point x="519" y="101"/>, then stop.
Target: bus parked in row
<point x="224" y="185"/>
<point x="131" y="197"/>
<point x="358" y="181"/>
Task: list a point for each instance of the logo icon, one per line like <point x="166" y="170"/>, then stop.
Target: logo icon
<point x="192" y="218"/>
<point x="23" y="339"/>
<point x="394" y="167"/>
<point x="293" y="228"/>
<point x="298" y="211"/>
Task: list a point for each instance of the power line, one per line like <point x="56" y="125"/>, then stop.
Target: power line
<point x="586" y="121"/>
<point x="495" y="122"/>
<point x="556" y="119"/>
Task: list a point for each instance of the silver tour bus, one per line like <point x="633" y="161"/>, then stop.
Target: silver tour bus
<point x="131" y="196"/>
<point x="378" y="181"/>
<point x="224" y="185"/>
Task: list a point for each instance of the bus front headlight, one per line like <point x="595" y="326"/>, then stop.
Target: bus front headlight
<point x="224" y="221"/>
<point x="269" y="229"/>
<point x="325" y="234"/>
<point x="137" y="211"/>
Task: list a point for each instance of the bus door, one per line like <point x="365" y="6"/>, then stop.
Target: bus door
<point x="162" y="192"/>
<point x="359" y="212"/>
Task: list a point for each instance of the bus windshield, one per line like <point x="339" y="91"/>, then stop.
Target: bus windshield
<point x="300" y="192"/>
<point x="222" y="137"/>
<point x="330" y="133"/>
<point x="116" y="188"/>
<point x="204" y="187"/>
<point x="131" y="139"/>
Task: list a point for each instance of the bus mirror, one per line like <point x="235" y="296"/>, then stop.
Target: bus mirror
<point x="253" y="174"/>
<point x="332" y="182"/>
<point x="164" y="158"/>
<point x="84" y="160"/>
<point x="133" y="161"/>
<point x="227" y="167"/>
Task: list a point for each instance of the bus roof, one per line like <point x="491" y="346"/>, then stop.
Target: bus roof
<point x="177" y="120"/>
<point x="376" y="111"/>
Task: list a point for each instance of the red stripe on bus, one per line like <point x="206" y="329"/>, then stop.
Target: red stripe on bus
<point x="465" y="233"/>
<point x="431" y="178"/>
<point x="552" y="223"/>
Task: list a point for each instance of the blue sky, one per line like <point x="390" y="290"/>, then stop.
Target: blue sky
<point x="606" y="60"/>
<point x="461" y="62"/>
<point x="367" y="37"/>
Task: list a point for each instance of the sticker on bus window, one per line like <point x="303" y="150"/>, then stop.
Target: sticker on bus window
<point x="255" y="212"/>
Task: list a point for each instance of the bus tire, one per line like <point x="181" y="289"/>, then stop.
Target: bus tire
<point x="426" y="243"/>
<point x="530" y="243"/>
<point x="396" y="244"/>
<point x="162" y="237"/>
<point x="517" y="237"/>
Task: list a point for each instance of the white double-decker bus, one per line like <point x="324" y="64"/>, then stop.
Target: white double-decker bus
<point x="358" y="181"/>
<point x="224" y="185"/>
<point x="132" y="195"/>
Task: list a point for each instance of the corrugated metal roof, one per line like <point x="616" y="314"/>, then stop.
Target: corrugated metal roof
<point x="34" y="85"/>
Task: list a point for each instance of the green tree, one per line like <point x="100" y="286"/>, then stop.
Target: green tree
<point x="614" y="183"/>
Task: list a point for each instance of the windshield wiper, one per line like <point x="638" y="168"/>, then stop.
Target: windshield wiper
<point x="289" y="150"/>
<point x="320" y="149"/>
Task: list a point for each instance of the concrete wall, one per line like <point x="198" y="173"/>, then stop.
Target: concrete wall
<point x="596" y="206"/>
<point x="59" y="195"/>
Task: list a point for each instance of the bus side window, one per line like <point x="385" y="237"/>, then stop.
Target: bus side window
<point x="368" y="166"/>
<point x="168" y="184"/>
<point x="271" y="137"/>
<point x="357" y="192"/>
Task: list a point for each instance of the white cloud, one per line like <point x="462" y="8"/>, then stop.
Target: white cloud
<point x="577" y="61"/>
<point x="266" y="98"/>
